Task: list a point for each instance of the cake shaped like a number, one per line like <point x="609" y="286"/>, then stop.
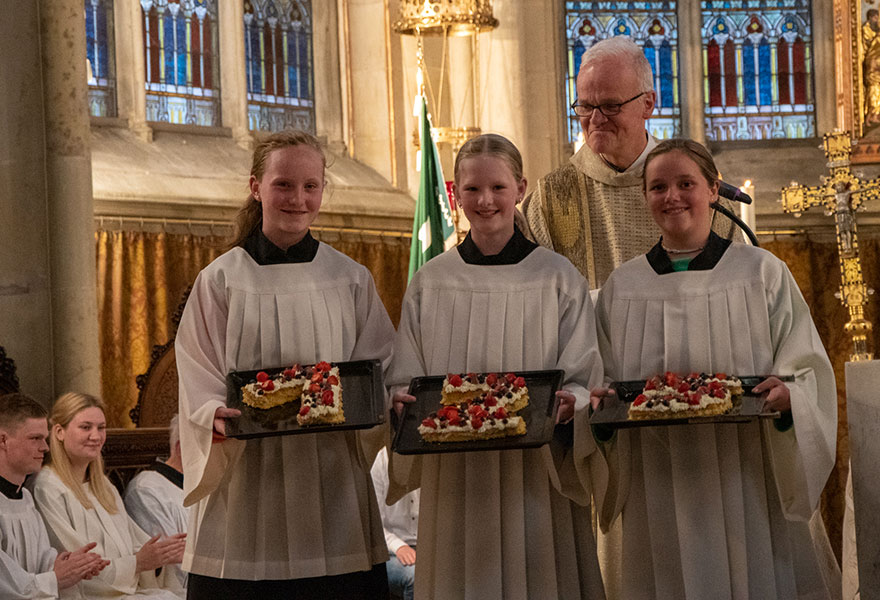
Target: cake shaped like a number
<point x="317" y="387"/>
<point x="477" y="407"/>
<point x="696" y="395"/>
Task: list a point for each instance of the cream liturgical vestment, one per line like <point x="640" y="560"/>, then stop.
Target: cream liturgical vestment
<point x="154" y="499"/>
<point x="285" y="507"/>
<point x="26" y="558"/>
<point x="72" y="526"/>
<point x="720" y="511"/>
<point x="595" y="215"/>
<point x="513" y="524"/>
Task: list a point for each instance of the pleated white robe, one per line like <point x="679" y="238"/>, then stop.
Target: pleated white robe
<point x="71" y="526"/>
<point x="156" y="505"/>
<point x="283" y="507"/>
<point x="511" y="524"/>
<point x="26" y="557"/>
<point x="720" y="511"/>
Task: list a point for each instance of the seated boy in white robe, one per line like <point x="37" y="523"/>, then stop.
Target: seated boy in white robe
<point x="154" y="498"/>
<point x="29" y="567"/>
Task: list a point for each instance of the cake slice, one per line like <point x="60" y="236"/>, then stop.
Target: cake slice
<point x="321" y="400"/>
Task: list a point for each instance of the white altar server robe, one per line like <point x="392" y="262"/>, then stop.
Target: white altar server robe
<point x="284" y="507"/>
<point x="511" y="524"/>
<point x="71" y="526"/>
<point x="26" y="557"/>
<point x="156" y="505"/>
<point x="720" y="511"/>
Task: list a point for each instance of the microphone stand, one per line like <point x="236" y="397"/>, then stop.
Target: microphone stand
<point x="739" y="222"/>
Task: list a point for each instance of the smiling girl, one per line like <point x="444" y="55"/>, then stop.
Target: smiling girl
<point x="716" y="510"/>
<point x="288" y="516"/>
<point x="513" y="524"/>
<point x="80" y="505"/>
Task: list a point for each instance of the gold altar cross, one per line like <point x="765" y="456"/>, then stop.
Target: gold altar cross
<point x="841" y="193"/>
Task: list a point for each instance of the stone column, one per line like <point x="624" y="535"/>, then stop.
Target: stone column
<point x="72" y="272"/>
<point x="690" y="55"/>
<point x="25" y="312"/>
<point x="131" y="95"/>
<point x="233" y="80"/>
<point x="328" y="89"/>
<point x="863" y="419"/>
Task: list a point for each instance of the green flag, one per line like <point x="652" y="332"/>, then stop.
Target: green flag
<point x="432" y="222"/>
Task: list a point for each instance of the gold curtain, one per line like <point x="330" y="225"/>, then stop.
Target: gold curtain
<point x="141" y="280"/>
<point x="815" y="268"/>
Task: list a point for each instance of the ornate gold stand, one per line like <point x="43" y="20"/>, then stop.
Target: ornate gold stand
<point x="842" y="193"/>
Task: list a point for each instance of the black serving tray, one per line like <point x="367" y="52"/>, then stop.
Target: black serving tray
<point x="363" y="401"/>
<point x="540" y="416"/>
<point x="748" y="407"/>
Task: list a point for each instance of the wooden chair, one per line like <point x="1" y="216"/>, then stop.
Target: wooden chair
<point x="157" y="388"/>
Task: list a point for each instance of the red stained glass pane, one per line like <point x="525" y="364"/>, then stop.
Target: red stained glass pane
<point x="800" y="72"/>
<point x="784" y="70"/>
<point x="196" y="36"/>
<point x="730" y="74"/>
<point x="207" y="55"/>
<point x="268" y="61"/>
<point x="155" y="57"/>
<point x="279" y="60"/>
<point x="714" y="67"/>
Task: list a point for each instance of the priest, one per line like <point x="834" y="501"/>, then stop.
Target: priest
<point x="29" y="567"/>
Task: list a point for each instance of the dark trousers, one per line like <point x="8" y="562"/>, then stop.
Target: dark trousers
<point x="360" y="585"/>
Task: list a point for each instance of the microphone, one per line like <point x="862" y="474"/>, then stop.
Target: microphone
<point x="725" y="190"/>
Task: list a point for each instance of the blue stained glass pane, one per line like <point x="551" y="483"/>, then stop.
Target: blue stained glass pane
<point x="765" y="80"/>
<point x="102" y="44"/>
<point x="667" y="94"/>
<point x="304" y="66"/>
<point x="579" y="50"/>
<point x="748" y="54"/>
<point x="293" y="65"/>
<point x="168" y="26"/>
<point x="90" y="38"/>
<point x="256" y="80"/>
<point x="182" y="50"/>
<point x="652" y="59"/>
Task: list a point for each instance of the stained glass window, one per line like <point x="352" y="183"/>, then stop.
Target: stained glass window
<point x="101" y="60"/>
<point x="757" y="68"/>
<point x="653" y="26"/>
<point x="182" y="70"/>
<point x="278" y="55"/>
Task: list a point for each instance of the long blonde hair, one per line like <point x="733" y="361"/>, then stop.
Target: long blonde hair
<point x="63" y="411"/>
<point x="250" y="214"/>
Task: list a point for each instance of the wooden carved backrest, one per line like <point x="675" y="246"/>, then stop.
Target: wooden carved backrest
<point x="157" y="388"/>
<point x="8" y="379"/>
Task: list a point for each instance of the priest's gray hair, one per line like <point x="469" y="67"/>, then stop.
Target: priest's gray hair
<point x="174" y="432"/>
<point x="622" y="48"/>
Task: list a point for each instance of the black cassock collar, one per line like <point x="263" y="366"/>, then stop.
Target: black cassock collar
<point x="10" y="490"/>
<point x="706" y="260"/>
<point x="516" y="249"/>
<point x="169" y="473"/>
<point x="264" y="252"/>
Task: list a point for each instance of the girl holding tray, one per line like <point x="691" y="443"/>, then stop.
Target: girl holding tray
<point x="716" y="510"/>
<point x="511" y="524"/>
<point x="288" y="516"/>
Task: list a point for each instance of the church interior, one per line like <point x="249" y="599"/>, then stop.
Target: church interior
<point x="129" y="128"/>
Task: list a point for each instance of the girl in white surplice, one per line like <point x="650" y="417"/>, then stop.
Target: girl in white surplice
<point x="726" y="510"/>
<point x="288" y="516"/>
<point x="512" y="524"/>
<point x="80" y="505"/>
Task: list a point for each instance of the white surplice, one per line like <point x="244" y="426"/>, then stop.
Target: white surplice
<point x="71" y="526"/>
<point x="26" y="557"/>
<point x="720" y="511"/>
<point x="502" y="524"/>
<point x="284" y="507"/>
<point x="156" y="505"/>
